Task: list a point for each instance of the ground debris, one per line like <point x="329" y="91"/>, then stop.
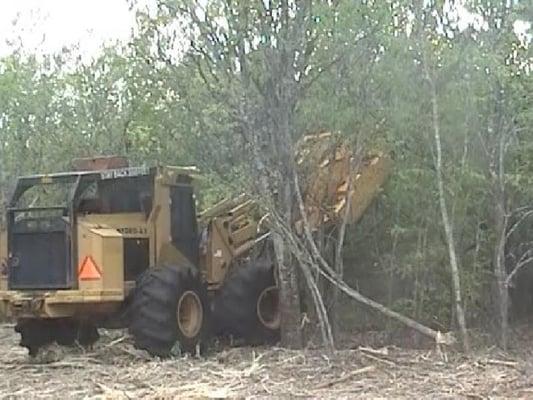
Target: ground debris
<point x="113" y="369"/>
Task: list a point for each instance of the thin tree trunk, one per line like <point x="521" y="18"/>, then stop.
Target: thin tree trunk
<point x="496" y="170"/>
<point x="448" y="228"/>
<point x="500" y="274"/>
<point x="338" y="260"/>
<point x="324" y="269"/>
<point x="502" y="292"/>
<point x="321" y="312"/>
<point x="334" y="313"/>
<point x="291" y="335"/>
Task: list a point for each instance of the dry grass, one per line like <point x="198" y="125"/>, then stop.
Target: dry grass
<point x="115" y="370"/>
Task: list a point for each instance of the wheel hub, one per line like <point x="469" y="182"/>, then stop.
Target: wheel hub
<point x="268" y="310"/>
<point x="189" y="314"/>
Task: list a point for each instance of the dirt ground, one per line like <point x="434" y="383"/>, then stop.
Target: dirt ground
<point x="113" y="369"/>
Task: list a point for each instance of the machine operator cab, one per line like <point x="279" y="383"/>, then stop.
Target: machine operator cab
<point x="109" y="224"/>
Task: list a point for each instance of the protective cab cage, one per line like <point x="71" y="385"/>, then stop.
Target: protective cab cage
<point x="47" y="235"/>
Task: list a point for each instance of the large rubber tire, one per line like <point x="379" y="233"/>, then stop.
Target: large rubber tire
<point x="235" y="305"/>
<point x="36" y="333"/>
<point x="155" y="316"/>
<point x="69" y="332"/>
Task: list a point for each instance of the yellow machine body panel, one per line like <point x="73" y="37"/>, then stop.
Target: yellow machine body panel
<point x="100" y="283"/>
<point x="104" y="238"/>
<point x="231" y="230"/>
<point x="100" y="258"/>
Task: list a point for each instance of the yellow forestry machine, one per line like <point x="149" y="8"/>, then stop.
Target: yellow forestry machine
<point x="108" y="245"/>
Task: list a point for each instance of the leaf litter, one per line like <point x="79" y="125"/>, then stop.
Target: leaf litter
<point x="114" y="369"/>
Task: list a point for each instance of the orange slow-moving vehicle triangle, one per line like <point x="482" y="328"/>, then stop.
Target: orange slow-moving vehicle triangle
<point x="89" y="270"/>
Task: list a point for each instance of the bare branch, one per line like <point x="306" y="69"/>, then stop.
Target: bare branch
<point x="517" y="224"/>
<point x="325" y="270"/>
<point x="526" y="258"/>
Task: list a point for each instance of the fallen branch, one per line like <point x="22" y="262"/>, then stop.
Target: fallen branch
<point x="380" y="355"/>
<point x="346" y="377"/>
<point x="116" y="341"/>
<point x="322" y="267"/>
<point x="319" y="264"/>
<point x="511" y="364"/>
<point x="377" y="352"/>
<point x="379" y="359"/>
